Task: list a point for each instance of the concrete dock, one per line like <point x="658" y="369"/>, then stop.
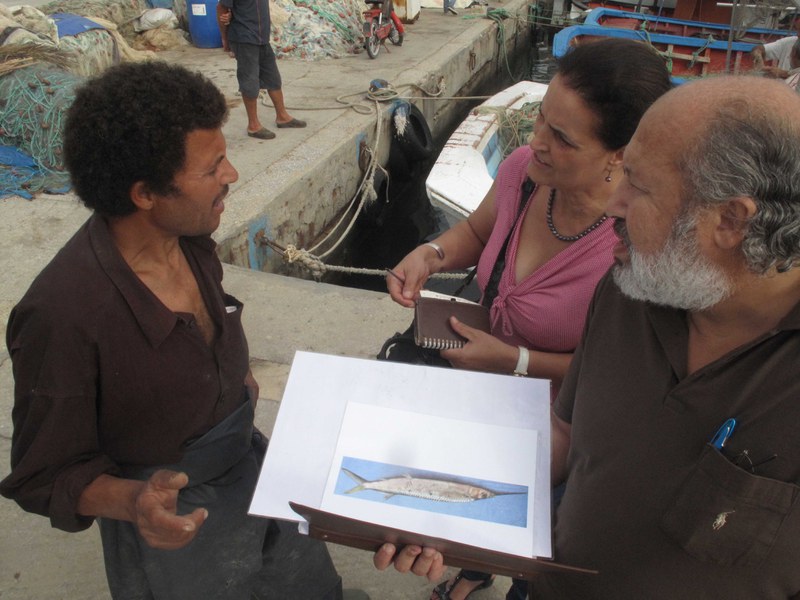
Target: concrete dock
<point x="290" y="189"/>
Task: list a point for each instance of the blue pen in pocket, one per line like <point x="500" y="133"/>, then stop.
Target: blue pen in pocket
<point x="723" y="433"/>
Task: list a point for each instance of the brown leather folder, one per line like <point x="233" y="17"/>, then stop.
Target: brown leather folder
<point x="369" y="536"/>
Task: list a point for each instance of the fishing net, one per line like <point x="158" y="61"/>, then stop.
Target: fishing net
<point x="33" y="105"/>
<point x="116" y="11"/>
<point x="318" y="29"/>
<point x="515" y="125"/>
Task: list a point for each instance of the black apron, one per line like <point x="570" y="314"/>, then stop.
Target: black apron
<point x="234" y="556"/>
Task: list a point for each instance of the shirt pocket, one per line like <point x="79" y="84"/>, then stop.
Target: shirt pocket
<point x="725" y="515"/>
<point x="233" y="311"/>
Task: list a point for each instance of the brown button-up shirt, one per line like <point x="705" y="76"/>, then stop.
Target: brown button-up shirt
<point x="649" y="502"/>
<point x="107" y="377"/>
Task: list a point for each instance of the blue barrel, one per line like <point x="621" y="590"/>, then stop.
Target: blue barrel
<point x="203" y="26"/>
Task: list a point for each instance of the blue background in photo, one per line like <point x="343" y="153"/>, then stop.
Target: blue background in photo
<point x="507" y="510"/>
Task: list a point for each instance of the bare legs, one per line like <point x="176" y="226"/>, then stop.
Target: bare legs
<point x="251" y="107"/>
<point x="281" y="115"/>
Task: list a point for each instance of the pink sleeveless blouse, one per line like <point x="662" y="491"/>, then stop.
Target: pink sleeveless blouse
<point x="546" y="311"/>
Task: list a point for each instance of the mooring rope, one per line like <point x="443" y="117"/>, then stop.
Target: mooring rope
<point x="313" y="264"/>
<point x="365" y="193"/>
<point x="385" y="94"/>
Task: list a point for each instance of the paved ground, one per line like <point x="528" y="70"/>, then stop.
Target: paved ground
<point x="282" y="314"/>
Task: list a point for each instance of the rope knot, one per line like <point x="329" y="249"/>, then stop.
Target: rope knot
<point x="292" y="254"/>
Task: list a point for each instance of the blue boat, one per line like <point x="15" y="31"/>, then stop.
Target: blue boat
<point x="685" y="56"/>
<point x="623" y="19"/>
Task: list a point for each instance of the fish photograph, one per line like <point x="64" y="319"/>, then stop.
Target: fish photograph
<point x="430" y="491"/>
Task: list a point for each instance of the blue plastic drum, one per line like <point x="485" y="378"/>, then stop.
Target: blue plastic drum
<point x="203" y="28"/>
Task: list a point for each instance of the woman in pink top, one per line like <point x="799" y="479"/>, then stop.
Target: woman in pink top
<point x="560" y="246"/>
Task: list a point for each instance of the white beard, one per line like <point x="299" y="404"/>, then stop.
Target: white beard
<point x="678" y="275"/>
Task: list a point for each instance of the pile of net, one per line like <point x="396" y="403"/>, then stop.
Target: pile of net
<point x="301" y="29"/>
<point x="43" y="57"/>
<point x="124" y="18"/>
<point x="316" y="29"/>
<point x="33" y="105"/>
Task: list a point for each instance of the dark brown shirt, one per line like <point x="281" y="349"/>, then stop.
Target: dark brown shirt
<point x="649" y="503"/>
<point x="107" y="377"/>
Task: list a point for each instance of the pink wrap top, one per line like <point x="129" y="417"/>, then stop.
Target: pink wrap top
<point x="545" y="311"/>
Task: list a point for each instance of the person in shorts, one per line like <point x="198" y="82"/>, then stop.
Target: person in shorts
<point x="245" y="29"/>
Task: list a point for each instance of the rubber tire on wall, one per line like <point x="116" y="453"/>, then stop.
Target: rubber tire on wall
<point x="416" y="141"/>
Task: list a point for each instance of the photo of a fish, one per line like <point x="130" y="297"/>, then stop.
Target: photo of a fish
<point x="439" y="490"/>
<point x="401" y="487"/>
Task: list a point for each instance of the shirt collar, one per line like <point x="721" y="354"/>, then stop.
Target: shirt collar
<point x="791" y="320"/>
<point x="155" y="319"/>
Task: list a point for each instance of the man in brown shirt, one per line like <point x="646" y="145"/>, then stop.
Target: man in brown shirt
<point x="698" y="324"/>
<point x="134" y="402"/>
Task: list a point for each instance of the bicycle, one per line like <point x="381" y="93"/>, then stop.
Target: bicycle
<point x="381" y="23"/>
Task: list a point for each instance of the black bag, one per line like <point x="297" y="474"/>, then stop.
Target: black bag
<point x="401" y="346"/>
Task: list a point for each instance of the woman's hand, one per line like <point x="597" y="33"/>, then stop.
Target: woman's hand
<point x="410" y="275"/>
<point x="425" y="562"/>
<point x="482" y="352"/>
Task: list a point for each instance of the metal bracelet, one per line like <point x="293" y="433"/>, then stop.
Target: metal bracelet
<point x="437" y="248"/>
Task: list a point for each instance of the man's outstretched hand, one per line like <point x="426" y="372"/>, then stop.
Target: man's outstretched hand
<point x="156" y="512"/>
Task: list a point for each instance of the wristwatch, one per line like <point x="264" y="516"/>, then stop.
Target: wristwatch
<point x="521" y="370"/>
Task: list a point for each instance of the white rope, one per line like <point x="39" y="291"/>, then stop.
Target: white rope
<point x="303" y="258"/>
<point x="365" y="192"/>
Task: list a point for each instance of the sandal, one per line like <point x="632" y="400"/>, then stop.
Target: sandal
<point x="442" y="591"/>
<point x="262" y="134"/>
<point x="294" y="123"/>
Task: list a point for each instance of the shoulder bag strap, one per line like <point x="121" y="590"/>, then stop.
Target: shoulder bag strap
<point x="497" y="271"/>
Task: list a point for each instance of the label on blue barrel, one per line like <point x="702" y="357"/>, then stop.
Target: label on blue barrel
<point x="199" y="10"/>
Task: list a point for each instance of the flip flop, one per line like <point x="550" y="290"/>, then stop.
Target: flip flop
<point x="442" y="591"/>
<point x="294" y="123"/>
<point x="261" y="134"/>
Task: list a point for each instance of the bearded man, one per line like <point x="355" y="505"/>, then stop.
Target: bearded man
<point x="694" y="330"/>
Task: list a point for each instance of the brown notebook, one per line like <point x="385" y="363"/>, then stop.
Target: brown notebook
<point x="432" y="321"/>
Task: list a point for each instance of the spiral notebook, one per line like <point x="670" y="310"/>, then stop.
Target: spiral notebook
<point x="432" y="321"/>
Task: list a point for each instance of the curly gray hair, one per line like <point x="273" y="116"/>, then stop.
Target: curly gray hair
<point x="747" y="152"/>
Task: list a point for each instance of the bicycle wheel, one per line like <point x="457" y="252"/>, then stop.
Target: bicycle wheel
<point x="395" y="36"/>
<point x="372" y="43"/>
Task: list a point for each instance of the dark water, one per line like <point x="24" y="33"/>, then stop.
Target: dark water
<point x="403" y="217"/>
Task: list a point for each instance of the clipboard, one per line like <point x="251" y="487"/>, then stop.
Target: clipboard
<point x="362" y="535"/>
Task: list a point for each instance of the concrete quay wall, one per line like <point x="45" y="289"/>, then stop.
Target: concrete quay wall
<point x="297" y="197"/>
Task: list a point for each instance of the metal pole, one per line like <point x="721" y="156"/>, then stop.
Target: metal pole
<point x="730" y="39"/>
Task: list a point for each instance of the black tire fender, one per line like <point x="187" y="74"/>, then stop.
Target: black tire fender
<point x="415" y="140"/>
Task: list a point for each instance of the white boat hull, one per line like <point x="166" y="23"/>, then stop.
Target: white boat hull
<point x="467" y="165"/>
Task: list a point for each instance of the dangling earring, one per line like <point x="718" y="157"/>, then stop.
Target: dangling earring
<point x="608" y="176"/>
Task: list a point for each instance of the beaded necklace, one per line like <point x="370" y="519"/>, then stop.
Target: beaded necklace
<point x="568" y="238"/>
